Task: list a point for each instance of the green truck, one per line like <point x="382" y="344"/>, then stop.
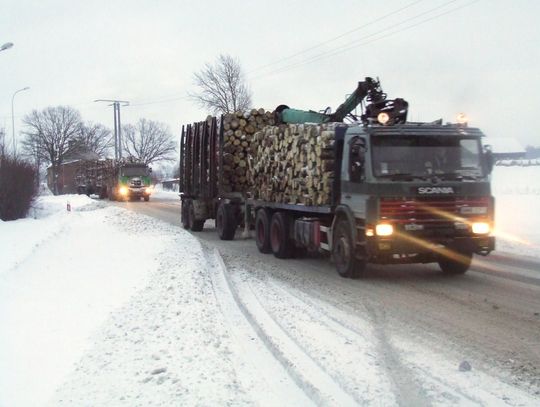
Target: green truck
<point x="125" y="179"/>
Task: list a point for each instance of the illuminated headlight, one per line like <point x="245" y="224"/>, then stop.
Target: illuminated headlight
<point x="148" y="190"/>
<point x="123" y="191"/>
<point x="384" y="229"/>
<point x="480" y="228"/>
<point x="383" y="118"/>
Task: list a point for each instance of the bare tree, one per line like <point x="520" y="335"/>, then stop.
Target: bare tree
<point x="148" y="141"/>
<point x="50" y="135"/>
<point x="95" y="138"/>
<point x="222" y="87"/>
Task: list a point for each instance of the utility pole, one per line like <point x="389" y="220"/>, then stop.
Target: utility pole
<point x="117" y="125"/>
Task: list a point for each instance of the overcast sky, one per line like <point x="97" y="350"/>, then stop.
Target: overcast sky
<point x="480" y="57"/>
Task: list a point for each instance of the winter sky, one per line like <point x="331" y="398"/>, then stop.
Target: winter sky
<point x="480" y="57"/>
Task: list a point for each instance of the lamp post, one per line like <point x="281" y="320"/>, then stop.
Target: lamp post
<point x="5" y="46"/>
<point x="13" y="120"/>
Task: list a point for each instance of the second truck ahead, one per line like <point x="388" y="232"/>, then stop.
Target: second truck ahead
<point x="381" y="190"/>
<point x="117" y="180"/>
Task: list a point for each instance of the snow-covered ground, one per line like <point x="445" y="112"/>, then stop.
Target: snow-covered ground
<point x="101" y="306"/>
<point x="517" y="203"/>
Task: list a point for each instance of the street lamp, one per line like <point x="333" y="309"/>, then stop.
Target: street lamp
<point x="13" y="120"/>
<point x="7" y="45"/>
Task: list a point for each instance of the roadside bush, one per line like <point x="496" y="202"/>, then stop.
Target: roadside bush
<point x="17" y="187"/>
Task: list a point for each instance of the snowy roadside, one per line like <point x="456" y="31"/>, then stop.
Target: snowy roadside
<point x="517" y="199"/>
<point x="122" y="309"/>
<point x="161" y="193"/>
<point x="128" y="294"/>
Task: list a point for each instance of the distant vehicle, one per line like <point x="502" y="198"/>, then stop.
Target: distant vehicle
<point x="117" y="180"/>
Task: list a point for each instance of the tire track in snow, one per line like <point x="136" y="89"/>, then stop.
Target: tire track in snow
<point x="436" y="377"/>
<point x="320" y="387"/>
<point x="259" y="370"/>
<point x="406" y="389"/>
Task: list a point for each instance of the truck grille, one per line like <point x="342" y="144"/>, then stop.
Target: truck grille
<point x="136" y="183"/>
<point x="432" y="211"/>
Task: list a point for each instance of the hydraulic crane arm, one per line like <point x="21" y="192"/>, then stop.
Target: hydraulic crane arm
<point x="369" y="89"/>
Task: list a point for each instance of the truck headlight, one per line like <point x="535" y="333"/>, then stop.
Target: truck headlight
<point x="123" y="191"/>
<point x="148" y="190"/>
<point x="480" y="228"/>
<point x="384" y="229"/>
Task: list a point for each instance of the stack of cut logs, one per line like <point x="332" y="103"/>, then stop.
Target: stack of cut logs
<point x="94" y="172"/>
<point x="238" y="133"/>
<point x="294" y="164"/>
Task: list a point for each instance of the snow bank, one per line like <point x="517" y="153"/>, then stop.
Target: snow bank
<point x="61" y="276"/>
<point x="20" y="238"/>
<point x="517" y="201"/>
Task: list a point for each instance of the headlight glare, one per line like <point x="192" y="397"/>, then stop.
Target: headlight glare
<point x="384" y="229"/>
<point x="480" y="228"/>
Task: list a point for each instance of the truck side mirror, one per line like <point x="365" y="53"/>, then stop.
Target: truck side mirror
<point x="488" y="159"/>
<point x="357" y="159"/>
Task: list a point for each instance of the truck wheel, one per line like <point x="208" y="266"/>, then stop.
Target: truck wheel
<point x="146" y="198"/>
<point x="347" y="264"/>
<point x="280" y="240"/>
<point x="194" y="224"/>
<point x="184" y="217"/>
<point x="457" y="264"/>
<point x="262" y="231"/>
<point x="226" y="223"/>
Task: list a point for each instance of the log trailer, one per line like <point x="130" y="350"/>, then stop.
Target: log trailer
<point x="115" y="179"/>
<point x="401" y="192"/>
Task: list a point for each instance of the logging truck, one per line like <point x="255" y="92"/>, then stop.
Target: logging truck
<point x="115" y="179"/>
<point x="378" y="190"/>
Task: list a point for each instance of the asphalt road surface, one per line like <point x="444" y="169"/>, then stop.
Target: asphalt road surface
<point x="489" y="317"/>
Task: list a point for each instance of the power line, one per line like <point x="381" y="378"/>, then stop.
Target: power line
<point x="160" y="101"/>
<point x="337" y="37"/>
<point x="355" y="44"/>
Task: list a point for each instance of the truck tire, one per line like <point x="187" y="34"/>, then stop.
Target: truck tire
<point x="347" y="264"/>
<point x="280" y="239"/>
<point x="194" y="224"/>
<point x="226" y="223"/>
<point x="184" y="218"/>
<point x="146" y="198"/>
<point x="262" y="231"/>
<point x="458" y="264"/>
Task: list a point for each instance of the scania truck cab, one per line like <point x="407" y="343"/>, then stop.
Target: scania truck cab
<point x="412" y="193"/>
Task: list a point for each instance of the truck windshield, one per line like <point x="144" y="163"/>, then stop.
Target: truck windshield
<point x="421" y="156"/>
<point x="134" y="171"/>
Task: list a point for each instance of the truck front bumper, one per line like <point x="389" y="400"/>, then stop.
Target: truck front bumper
<point x="388" y="249"/>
